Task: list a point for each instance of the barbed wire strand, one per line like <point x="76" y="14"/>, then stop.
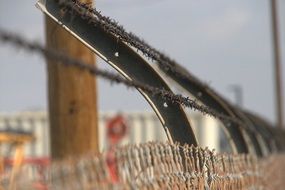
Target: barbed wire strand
<point x="111" y="26"/>
<point x="63" y="59"/>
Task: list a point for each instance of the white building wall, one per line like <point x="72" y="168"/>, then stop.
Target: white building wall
<point x="143" y="127"/>
<point x="210" y="133"/>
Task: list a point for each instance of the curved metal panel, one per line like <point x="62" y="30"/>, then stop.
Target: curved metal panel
<point x="264" y="132"/>
<point x="210" y="99"/>
<point x="277" y="134"/>
<point x="128" y="63"/>
<point x="252" y="131"/>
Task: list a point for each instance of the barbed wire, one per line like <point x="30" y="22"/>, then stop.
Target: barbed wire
<point x="110" y="26"/>
<point x="63" y="59"/>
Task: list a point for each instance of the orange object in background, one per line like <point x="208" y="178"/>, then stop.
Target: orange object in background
<point x="16" y="139"/>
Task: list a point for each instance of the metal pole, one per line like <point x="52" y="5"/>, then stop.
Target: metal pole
<point x="238" y="92"/>
<point x="277" y="64"/>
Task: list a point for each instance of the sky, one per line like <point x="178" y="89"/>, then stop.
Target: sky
<point x="223" y="42"/>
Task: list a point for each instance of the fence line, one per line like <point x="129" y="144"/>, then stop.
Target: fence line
<point x="16" y="40"/>
<point x="158" y="166"/>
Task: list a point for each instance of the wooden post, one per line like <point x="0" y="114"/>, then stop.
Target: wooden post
<point x="72" y="97"/>
<point x="277" y="65"/>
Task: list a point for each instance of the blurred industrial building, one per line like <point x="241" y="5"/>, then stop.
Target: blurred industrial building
<point x="140" y="127"/>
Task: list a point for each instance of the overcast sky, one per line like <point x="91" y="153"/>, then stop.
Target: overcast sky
<point x="223" y="42"/>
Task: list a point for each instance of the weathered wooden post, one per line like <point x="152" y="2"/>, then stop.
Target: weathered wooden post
<point x="72" y="97"/>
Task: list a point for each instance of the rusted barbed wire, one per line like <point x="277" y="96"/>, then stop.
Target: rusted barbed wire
<point x="153" y="166"/>
<point x="63" y="59"/>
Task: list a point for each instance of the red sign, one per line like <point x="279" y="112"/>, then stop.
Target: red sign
<point x="116" y="129"/>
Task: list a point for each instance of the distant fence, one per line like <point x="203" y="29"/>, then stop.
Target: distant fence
<point x="159" y="166"/>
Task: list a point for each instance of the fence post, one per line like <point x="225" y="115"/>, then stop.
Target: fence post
<point x="277" y="64"/>
<point x="72" y="97"/>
